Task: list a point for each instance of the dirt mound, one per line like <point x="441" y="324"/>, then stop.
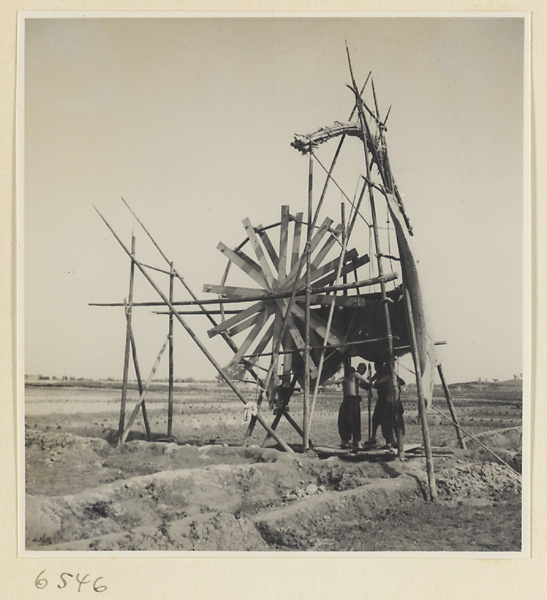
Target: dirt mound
<point x="210" y="532"/>
<point x="463" y="480"/>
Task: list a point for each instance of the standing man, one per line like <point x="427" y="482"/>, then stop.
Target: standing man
<point x="349" y="415"/>
<point x="388" y="413"/>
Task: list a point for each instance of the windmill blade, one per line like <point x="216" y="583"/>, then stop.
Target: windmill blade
<point x="255" y="243"/>
<point x="283" y="242"/>
<point x="326" y="248"/>
<point x="261" y="321"/>
<point x="316" y="239"/>
<point x="233" y="321"/>
<point x="331" y="277"/>
<point x="296" y="239"/>
<point x="265" y="238"/>
<point x="267" y="336"/>
<point x="317" y="324"/>
<point x="330" y="266"/>
<point x="287" y="359"/>
<point x="244" y="325"/>
<point x="291" y="325"/>
<point x="245" y="263"/>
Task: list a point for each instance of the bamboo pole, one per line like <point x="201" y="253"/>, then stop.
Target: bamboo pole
<point x="306" y="407"/>
<point x="451" y="408"/>
<point x="329" y="347"/>
<point x="171" y="356"/>
<point x="190" y="332"/>
<point x="121" y="424"/>
<point x="142" y="394"/>
<point x="367" y="136"/>
<point x="421" y="399"/>
<point x="139" y="385"/>
<point x="386" y="277"/>
<point x="369" y="398"/>
<point x="341" y="261"/>
<point x="484" y="446"/>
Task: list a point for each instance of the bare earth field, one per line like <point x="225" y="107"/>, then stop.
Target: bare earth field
<point x="206" y="491"/>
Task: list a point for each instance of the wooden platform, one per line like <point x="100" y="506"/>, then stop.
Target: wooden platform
<point x="372" y="452"/>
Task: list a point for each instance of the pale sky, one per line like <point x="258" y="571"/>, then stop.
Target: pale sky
<point x="190" y="120"/>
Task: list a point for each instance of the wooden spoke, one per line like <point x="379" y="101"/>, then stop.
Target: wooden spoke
<point x="263" y="343"/>
<point x="296" y="335"/>
<point x="274" y="268"/>
<point x="262" y="319"/>
<point x="255" y="243"/>
<point x="233" y="292"/>
<point x="332" y="265"/>
<point x="325" y="249"/>
<point x="328" y="279"/>
<point x="295" y="257"/>
<point x="287" y="359"/>
<point x="244" y="325"/>
<point x="278" y="325"/>
<point x="316" y="239"/>
<point x="269" y="248"/>
<point x="317" y="324"/>
<point x="283" y="242"/>
<point x="241" y="316"/>
<point x="245" y="263"/>
<point x="345" y="301"/>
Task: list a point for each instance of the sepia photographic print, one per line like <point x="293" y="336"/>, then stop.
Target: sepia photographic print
<point x="273" y="284"/>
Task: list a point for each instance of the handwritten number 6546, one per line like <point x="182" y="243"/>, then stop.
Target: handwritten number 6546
<point x="41" y="582"/>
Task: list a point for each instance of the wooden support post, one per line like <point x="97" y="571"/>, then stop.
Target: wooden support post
<point x="141" y="397"/>
<point x="127" y="340"/>
<point x="421" y="399"/>
<point x="170" y="399"/>
<point x="367" y="137"/>
<point x="451" y="408"/>
<point x="190" y="332"/>
<point x="369" y="397"/>
<point x="140" y="386"/>
<point x="305" y="419"/>
<point x="344" y="239"/>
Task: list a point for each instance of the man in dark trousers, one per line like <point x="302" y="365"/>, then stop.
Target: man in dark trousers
<point x="349" y="415"/>
<point x="388" y="413"/>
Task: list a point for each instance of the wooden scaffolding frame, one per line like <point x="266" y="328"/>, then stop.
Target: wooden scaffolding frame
<point x="279" y="293"/>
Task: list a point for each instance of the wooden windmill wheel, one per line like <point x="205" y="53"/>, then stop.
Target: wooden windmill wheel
<point x="270" y="256"/>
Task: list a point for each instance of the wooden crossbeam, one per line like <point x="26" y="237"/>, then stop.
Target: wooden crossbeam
<point x="343" y="301"/>
<point x="231" y="291"/>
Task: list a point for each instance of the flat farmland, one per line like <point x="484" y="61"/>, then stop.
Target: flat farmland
<point x="203" y="489"/>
